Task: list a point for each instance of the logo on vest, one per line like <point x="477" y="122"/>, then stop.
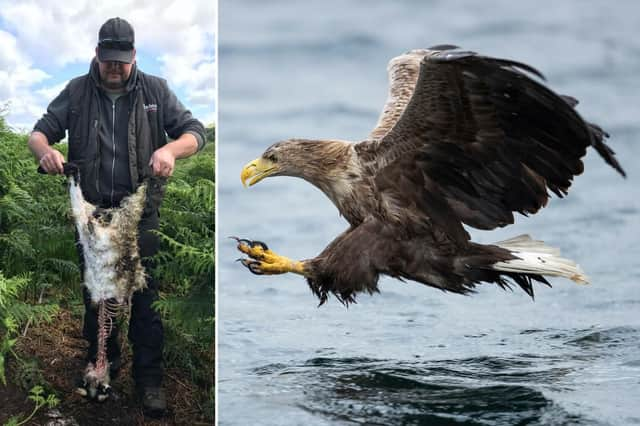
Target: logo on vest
<point x="150" y="107"/>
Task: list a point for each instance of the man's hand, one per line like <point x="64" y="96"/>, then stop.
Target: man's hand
<point x="163" y="159"/>
<point x="50" y="160"/>
<point x="162" y="162"/>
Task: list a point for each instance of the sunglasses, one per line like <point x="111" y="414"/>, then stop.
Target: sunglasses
<point x="115" y="44"/>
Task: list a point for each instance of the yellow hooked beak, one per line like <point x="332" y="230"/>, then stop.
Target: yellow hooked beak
<point x="257" y="170"/>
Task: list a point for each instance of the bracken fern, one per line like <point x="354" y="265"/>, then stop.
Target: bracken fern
<point x="186" y="269"/>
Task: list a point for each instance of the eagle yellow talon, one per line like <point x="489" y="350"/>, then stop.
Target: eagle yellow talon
<point x="253" y="249"/>
<point x="263" y="261"/>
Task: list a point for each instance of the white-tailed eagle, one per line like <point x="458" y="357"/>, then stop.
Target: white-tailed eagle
<point x="463" y="139"/>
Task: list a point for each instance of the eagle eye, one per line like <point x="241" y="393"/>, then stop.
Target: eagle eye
<point x="271" y="157"/>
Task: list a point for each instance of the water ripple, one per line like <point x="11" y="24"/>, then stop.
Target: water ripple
<point x="612" y="337"/>
<point x="480" y="390"/>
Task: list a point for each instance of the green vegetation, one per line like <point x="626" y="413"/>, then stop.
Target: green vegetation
<point x="36" y="244"/>
<point x="39" y="274"/>
<point x="186" y="269"/>
<point x="40" y="399"/>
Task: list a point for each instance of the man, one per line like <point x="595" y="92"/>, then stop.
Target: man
<point x="116" y="117"/>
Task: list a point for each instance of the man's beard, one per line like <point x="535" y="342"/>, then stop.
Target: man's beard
<point x="113" y="84"/>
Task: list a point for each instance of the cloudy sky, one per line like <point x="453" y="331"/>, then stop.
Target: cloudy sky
<point x="43" y="44"/>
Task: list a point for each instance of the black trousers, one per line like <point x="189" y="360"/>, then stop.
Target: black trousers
<point x="145" y="325"/>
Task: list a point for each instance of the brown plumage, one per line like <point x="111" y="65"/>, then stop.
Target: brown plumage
<point x="463" y="138"/>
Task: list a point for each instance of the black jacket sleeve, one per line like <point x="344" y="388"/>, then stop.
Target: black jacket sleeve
<point x="178" y="119"/>
<point x="55" y="121"/>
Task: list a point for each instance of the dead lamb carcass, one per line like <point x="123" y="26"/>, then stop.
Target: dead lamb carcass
<point x="112" y="268"/>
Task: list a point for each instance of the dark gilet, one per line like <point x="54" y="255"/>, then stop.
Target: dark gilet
<point x="145" y="134"/>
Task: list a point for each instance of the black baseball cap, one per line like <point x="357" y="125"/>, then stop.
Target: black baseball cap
<point x="115" y="41"/>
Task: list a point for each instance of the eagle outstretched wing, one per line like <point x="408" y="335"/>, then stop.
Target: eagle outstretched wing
<point x="403" y="72"/>
<point x="487" y="137"/>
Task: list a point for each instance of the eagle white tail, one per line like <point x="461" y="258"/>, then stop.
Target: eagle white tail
<point x="534" y="257"/>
